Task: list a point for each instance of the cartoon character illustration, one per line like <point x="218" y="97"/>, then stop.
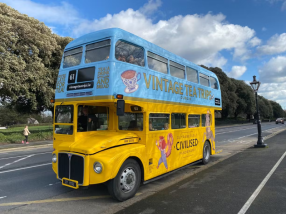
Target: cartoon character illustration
<point x="209" y="134"/>
<point x="162" y="146"/>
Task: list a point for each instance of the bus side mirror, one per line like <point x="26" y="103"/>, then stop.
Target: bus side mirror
<point x="120" y="107"/>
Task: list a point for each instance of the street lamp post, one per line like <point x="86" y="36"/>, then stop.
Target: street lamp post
<point x="255" y="85"/>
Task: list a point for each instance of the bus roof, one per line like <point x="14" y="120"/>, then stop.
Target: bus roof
<point x="119" y="34"/>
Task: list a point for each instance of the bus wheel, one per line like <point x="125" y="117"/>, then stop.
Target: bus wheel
<point x="126" y="182"/>
<point x="206" y="152"/>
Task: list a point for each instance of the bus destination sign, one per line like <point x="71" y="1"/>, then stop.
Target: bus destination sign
<point x="79" y="86"/>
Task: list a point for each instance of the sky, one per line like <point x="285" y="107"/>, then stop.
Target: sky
<point x="243" y="37"/>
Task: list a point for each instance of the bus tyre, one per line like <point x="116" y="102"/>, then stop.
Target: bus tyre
<point x="206" y="152"/>
<point x="126" y="182"/>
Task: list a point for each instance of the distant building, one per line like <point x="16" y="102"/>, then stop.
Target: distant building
<point x="32" y="121"/>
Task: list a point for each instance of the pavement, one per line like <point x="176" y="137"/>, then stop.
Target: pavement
<point x="28" y="184"/>
<point x="227" y="186"/>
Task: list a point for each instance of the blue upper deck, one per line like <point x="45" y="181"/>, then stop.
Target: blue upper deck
<point x="141" y="82"/>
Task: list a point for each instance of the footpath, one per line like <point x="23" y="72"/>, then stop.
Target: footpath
<point x="242" y="183"/>
<point x="19" y="146"/>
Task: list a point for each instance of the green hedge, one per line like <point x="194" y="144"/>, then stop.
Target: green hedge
<point x="17" y="137"/>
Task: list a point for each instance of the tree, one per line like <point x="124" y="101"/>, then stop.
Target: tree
<point x="265" y="108"/>
<point x="29" y="61"/>
<point x="246" y="99"/>
<point x="277" y="109"/>
<point x="229" y="98"/>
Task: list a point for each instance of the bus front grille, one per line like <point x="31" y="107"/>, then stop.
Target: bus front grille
<point x="71" y="166"/>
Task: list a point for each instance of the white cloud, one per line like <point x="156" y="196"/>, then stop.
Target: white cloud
<point x="63" y="13"/>
<point x="254" y="42"/>
<point x="283" y="6"/>
<point x="275" y="45"/>
<point x="274" y="91"/>
<point x="274" y="71"/>
<point x="198" y="38"/>
<point x="273" y="80"/>
<point x="150" y="7"/>
<point x="264" y="29"/>
<point x="237" y="71"/>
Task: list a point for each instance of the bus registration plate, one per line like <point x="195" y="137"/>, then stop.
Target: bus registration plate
<point x="70" y="183"/>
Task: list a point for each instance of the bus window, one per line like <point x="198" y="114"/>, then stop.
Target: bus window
<point x="130" y="53"/>
<point x="178" y="121"/>
<point x="192" y="75"/>
<point x="213" y="83"/>
<point x="131" y="121"/>
<point x="204" y="80"/>
<point x="157" y="63"/>
<point x="206" y="120"/>
<point x="193" y="120"/>
<point x="92" y="118"/>
<point x="98" y="51"/>
<point x="72" y="57"/>
<point x="177" y="70"/>
<point x="158" y="122"/>
<point x="64" y="114"/>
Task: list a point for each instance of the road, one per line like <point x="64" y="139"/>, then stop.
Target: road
<point x="26" y="177"/>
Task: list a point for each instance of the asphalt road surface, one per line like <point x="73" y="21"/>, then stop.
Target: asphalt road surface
<point x="26" y="177"/>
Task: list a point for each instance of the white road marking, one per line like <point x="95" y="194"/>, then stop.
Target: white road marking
<point x="234" y="130"/>
<point x="259" y="188"/>
<point x="16" y="161"/>
<point x="243" y="129"/>
<point x="25" y="155"/>
<point x="3" y="197"/>
<point x="29" y="167"/>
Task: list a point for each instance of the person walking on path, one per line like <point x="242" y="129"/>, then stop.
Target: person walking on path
<point x="26" y="133"/>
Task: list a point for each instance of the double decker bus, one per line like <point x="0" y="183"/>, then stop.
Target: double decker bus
<point x="127" y="112"/>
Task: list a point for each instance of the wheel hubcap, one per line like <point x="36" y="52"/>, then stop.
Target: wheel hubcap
<point x="127" y="180"/>
<point x="207" y="151"/>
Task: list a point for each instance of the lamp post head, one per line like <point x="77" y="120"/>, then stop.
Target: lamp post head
<point x="255" y="84"/>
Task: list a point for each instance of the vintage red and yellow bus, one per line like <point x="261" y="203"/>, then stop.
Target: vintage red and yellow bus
<point x="128" y="111"/>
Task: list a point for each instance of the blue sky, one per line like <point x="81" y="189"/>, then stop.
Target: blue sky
<point x="243" y="37"/>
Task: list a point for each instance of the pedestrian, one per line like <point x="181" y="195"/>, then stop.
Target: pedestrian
<point x="26" y="133"/>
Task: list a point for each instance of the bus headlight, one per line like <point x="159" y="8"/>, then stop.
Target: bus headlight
<point x="97" y="167"/>
<point x="54" y="158"/>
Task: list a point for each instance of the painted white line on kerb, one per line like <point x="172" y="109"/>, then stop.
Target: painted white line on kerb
<point x="29" y="167"/>
<point x="259" y="188"/>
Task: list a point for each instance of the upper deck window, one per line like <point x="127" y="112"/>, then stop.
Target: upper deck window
<point x="157" y="63"/>
<point x="72" y="57"/>
<point x="204" y="80"/>
<point x="192" y="75"/>
<point x="177" y="70"/>
<point x="130" y="53"/>
<point x="213" y="83"/>
<point x="98" y="51"/>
